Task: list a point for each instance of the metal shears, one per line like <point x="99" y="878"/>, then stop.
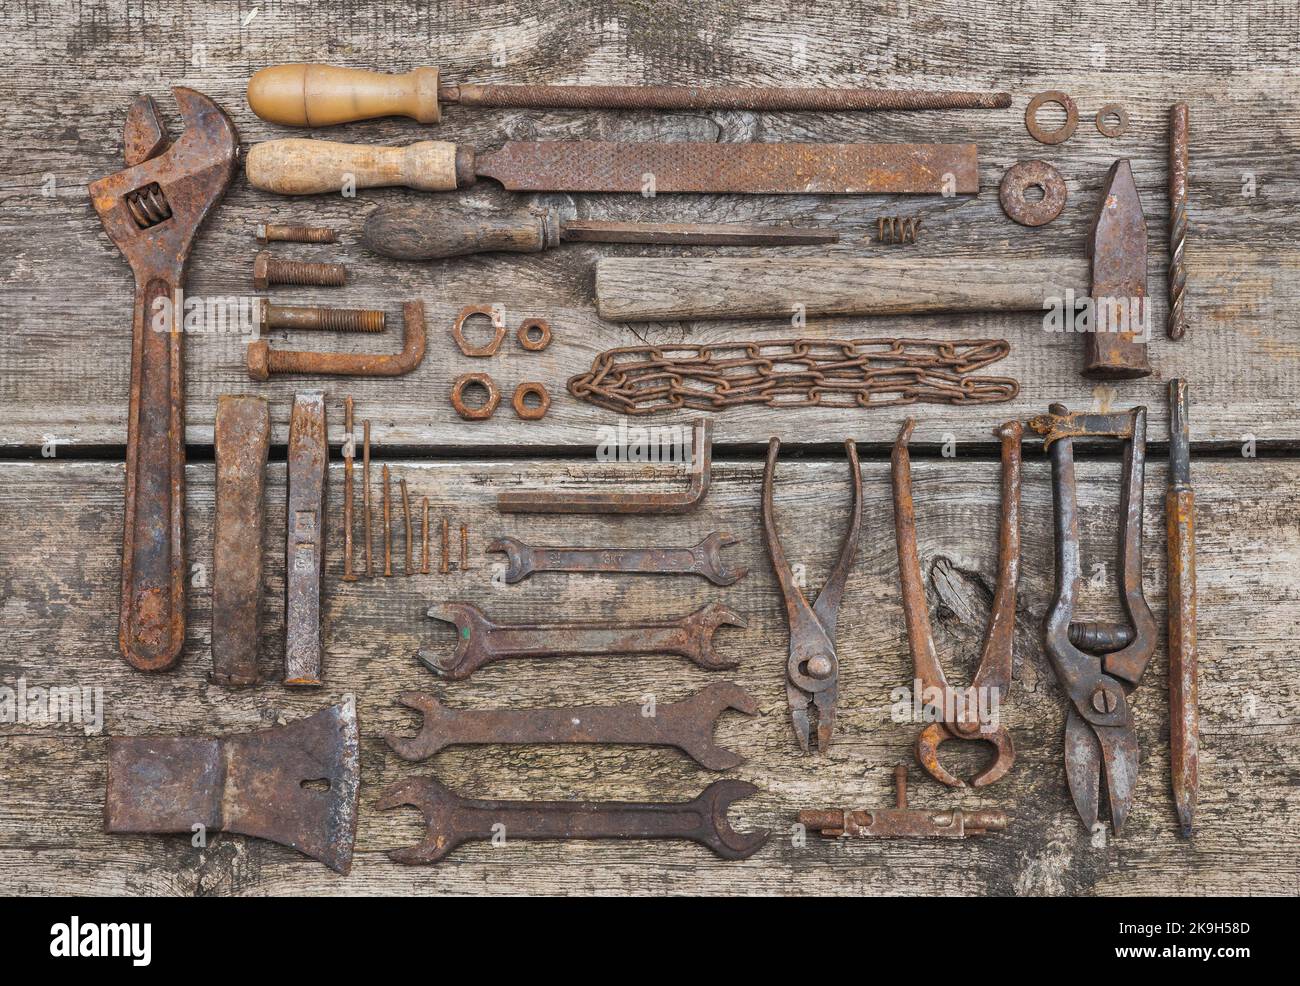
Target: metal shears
<point x="812" y="670"/>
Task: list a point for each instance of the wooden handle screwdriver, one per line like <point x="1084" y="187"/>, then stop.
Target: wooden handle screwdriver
<point x="1180" y="509"/>
<point x="306" y="95"/>
<point x="412" y="233"/>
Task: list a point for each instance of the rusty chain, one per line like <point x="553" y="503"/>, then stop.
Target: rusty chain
<point x="795" y="373"/>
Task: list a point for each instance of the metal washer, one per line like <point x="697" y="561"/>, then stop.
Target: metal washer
<point x="1028" y="174"/>
<point x="1107" y="130"/>
<point x="1065" y="131"/>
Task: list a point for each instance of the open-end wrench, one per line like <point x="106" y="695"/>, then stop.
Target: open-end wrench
<point x="705" y="558"/>
<point x="687" y="725"/>
<point x="152" y="211"/>
<point x="453" y="820"/>
<point x="479" y="641"/>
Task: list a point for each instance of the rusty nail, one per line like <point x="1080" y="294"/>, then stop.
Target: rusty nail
<point x="445" y="567"/>
<point x="268" y="270"/>
<point x="406" y="514"/>
<point x="316" y="318"/>
<point x="424" y="537"/>
<point x="365" y="493"/>
<point x="388" y="526"/>
<point x="279" y="232"/>
<point x="349" y="454"/>
<point x="464" y="547"/>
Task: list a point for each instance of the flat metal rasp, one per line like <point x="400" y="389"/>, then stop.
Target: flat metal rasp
<point x="305" y="167"/>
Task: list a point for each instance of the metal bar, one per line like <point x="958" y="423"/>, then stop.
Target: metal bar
<point x="305" y="542"/>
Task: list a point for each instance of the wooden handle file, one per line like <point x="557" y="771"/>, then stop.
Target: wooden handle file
<point x="296" y="166"/>
<point x="322" y="95"/>
<point x="668" y="289"/>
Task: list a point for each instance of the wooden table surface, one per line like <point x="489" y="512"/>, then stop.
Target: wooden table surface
<point x="70" y="72"/>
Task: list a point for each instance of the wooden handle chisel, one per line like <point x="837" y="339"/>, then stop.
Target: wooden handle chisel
<point x="304" y="167"/>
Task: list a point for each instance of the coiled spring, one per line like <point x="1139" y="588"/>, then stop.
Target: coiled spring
<point x="897" y="229"/>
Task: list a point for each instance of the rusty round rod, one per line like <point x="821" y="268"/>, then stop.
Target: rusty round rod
<point x="424" y="539"/>
<point x="445" y="567"/>
<point x="349" y="454"/>
<point x="388" y="524"/>
<point x="365" y="494"/>
<point x="406" y="514"/>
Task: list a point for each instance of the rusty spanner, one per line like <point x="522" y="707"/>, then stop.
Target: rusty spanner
<point x="152" y="211"/>
<point x="961" y="713"/>
<point x="452" y="820"/>
<point x="479" y="641"/>
<point x="705" y="559"/>
<point x="813" y="669"/>
<point x="687" y="725"/>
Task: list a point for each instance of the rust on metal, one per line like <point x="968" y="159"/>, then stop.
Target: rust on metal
<point x="790" y="373"/>
<point x="692" y="234"/>
<point x="525" y="410"/>
<point x="1108" y="129"/>
<point x="317" y="319"/>
<point x="812" y="670"/>
<point x="494" y="315"/>
<point x="365" y="495"/>
<point x="686" y="725"/>
<point x="265" y="362"/>
<point x="406" y="515"/>
<point x="480" y="412"/>
<point x="464" y="547"/>
<point x="304" y="553"/>
<point x="282" y="232"/>
<point x="1184" y="699"/>
<point x="269" y="270"/>
<point x="550" y="502"/>
<point x="1021" y="177"/>
<point x="295" y="785"/>
<point x="902" y="822"/>
<point x="705" y="559"/>
<point x="757" y="168"/>
<point x="757" y="98"/>
<point x="445" y="565"/>
<point x="480" y="641"/>
<point x="534" y="334"/>
<point x="1062" y="133"/>
<point x="1099" y="734"/>
<point x="424" y="539"/>
<point x="1176" y="325"/>
<point x="452" y="820"/>
<point x="972" y="713"/>
<point x="349" y="453"/>
<point x="1116" y="346"/>
<point x="897" y="229"/>
<point x="152" y="211"/>
<point x="388" y="523"/>
<point x="242" y="439"/>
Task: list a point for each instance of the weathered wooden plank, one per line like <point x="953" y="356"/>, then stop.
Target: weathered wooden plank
<point x="59" y="538"/>
<point x="72" y="72"/>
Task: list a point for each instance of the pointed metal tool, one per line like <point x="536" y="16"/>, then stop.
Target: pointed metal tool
<point x="1116" y="346"/>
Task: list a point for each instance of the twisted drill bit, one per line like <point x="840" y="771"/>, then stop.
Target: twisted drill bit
<point x="1177" y="323"/>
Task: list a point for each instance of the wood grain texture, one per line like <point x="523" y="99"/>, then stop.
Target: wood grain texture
<point x="65" y="294"/>
<point x="58" y="631"/>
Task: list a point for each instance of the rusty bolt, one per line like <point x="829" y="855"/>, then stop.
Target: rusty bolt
<point x="313" y="317"/>
<point x="268" y="270"/>
<point x="1103" y="701"/>
<point x="273" y="232"/>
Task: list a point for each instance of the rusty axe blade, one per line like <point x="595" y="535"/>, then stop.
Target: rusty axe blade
<point x="296" y="784"/>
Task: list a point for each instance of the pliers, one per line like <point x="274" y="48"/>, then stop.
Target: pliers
<point x="970" y="713"/>
<point x="1098" y="664"/>
<point x="812" y="671"/>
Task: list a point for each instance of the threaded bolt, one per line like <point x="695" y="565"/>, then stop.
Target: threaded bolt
<point x="268" y="270"/>
<point x="313" y="317"/>
<point x="278" y="232"/>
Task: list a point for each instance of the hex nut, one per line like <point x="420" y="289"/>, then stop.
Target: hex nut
<point x="482" y="413"/>
<point x="524" y="410"/>
<point x="498" y="323"/>
<point x="534" y="334"/>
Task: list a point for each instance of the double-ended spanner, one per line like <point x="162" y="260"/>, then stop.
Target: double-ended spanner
<point x="705" y="559"/>
<point x="452" y="820"/>
<point x="686" y="725"/>
<point x="479" y="641"/>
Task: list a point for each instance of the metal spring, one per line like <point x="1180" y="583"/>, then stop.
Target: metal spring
<point x="897" y="229"/>
<point x="148" y="206"/>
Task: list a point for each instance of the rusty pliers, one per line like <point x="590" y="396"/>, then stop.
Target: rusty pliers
<point x="1098" y="664"/>
<point x="965" y="714"/>
<point x="812" y="671"/>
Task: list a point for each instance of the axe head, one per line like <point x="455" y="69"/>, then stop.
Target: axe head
<point x="296" y="785"/>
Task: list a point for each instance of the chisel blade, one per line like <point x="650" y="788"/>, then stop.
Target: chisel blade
<point x="650" y="169"/>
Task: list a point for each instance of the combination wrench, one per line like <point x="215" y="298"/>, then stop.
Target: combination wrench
<point x="705" y="559"/>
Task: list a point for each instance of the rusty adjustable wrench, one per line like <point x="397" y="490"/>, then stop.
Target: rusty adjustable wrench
<point x="479" y="641"/>
<point x="452" y="820"/>
<point x="705" y="559"/>
<point x="152" y="211"/>
<point x="687" y="725"/>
